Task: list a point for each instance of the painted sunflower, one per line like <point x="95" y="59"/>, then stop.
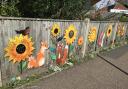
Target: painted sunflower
<point x="120" y="30"/>
<point x="19" y="48"/>
<point x="70" y="34"/>
<point x="80" y="40"/>
<point x="55" y="31"/>
<point x="109" y="31"/>
<point x="92" y="35"/>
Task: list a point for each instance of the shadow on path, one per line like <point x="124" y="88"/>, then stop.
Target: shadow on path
<point x="118" y="58"/>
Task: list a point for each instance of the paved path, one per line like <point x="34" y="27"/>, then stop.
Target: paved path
<point x="95" y="74"/>
<point x="118" y="57"/>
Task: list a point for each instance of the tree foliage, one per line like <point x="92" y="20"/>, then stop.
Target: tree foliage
<point x="9" y="8"/>
<point x="56" y="9"/>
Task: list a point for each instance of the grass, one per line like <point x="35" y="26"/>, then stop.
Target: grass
<point x="28" y="79"/>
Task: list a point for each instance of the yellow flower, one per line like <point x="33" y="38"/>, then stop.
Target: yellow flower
<point x="109" y="31"/>
<point x="70" y="34"/>
<point x="120" y="30"/>
<point x="55" y="30"/>
<point x="19" y="48"/>
<point x="92" y="35"/>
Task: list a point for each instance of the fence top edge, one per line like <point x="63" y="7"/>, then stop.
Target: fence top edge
<point x="114" y="21"/>
<point x="52" y="20"/>
<point x="38" y="19"/>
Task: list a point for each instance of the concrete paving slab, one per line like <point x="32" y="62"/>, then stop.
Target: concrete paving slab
<point x="95" y="74"/>
<point x="118" y="57"/>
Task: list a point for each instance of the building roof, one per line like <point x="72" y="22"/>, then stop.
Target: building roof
<point x="120" y="7"/>
<point x="126" y="1"/>
<point x="116" y="6"/>
<point x="105" y="12"/>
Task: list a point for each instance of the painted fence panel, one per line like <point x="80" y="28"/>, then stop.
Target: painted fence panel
<point x="8" y="27"/>
<point x="40" y="31"/>
<point x="121" y="30"/>
<point x="92" y="36"/>
<point x="74" y="40"/>
<point x="107" y="38"/>
<point x="106" y="34"/>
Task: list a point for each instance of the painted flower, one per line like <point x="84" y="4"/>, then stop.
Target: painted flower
<point x="19" y="48"/>
<point x="70" y="34"/>
<point x="101" y="39"/>
<point x="80" y="40"/>
<point x="109" y="31"/>
<point x="120" y="30"/>
<point x="92" y="35"/>
<point x="55" y="31"/>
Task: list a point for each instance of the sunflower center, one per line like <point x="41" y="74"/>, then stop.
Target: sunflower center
<point x="71" y="34"/>
<point x="56" y="31"/>
<point x="20" y="48"/>
<point x="109" y="31"/>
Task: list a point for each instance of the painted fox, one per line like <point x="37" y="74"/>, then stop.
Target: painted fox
<point x="62" y="54"/>
<point x="59" y="52"/>
<point x="40" y="58"/>
<point x="65" y="55"/>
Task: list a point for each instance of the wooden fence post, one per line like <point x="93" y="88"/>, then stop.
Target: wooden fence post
<point x="0" y="79"/>
<point x="115" y="30"/>
<point x="86" y="23"/>
<point x="98" y="32"/>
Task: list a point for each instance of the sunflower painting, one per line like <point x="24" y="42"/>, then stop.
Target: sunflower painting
<point x="19" y="48"/>
<point x="109" y="31"/>
<point x="55" y="31"/>
<point x="70" y="34"/>
<point x="120" y="30"/>
<point x="92" y="35"/>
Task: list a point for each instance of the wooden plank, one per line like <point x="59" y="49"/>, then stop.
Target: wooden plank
<point x="86" y="30"/>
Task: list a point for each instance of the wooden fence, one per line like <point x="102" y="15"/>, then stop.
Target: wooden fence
<point x="41" y="30"/>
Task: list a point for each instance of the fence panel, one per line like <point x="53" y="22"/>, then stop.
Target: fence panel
<point x="106" y="35"/>
<point x="92" y="36"/>
<point x="95" y="36"/>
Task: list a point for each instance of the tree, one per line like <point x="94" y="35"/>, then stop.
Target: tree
<point x="9" y="8"/>
<point x="49" y="9"/>
<point x="58" y="9"/>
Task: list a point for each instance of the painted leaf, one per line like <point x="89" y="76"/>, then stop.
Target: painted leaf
<point x="52" y="49"/>
<point x="13" y="78"/>
<point x="71" y="48"/>
<point x="22" y="66"/>
<point x="53" y="57"/>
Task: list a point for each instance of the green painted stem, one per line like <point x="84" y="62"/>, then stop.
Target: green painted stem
<point x="21" y="71"/>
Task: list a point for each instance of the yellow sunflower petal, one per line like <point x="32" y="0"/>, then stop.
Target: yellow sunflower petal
<point x="19" y="48"/>
<point x="55" y="31"/>
<point x="92" y="35"/>
<point x="70" y="34"/>
<point x="120" y="30"/>
<point x="109" y="31"/>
